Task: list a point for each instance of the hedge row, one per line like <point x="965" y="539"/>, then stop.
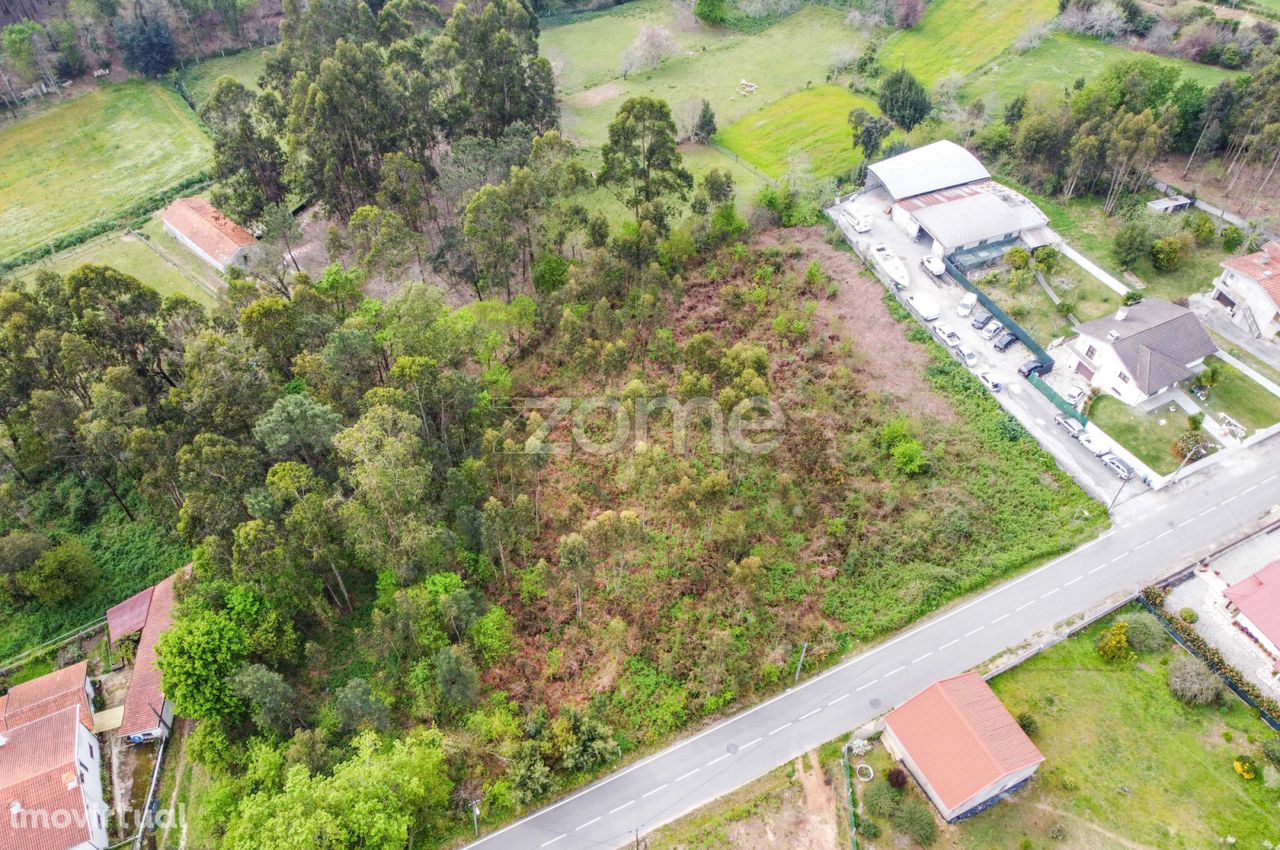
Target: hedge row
<point x="1155" y="597"/>
<point x="137" y="210"/>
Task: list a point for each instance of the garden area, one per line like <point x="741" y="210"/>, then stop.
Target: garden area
<point x="1019" y="294"/>
<point x="1237" y="395"/>
<point x="1150" y="436"/>
<point x="198" y="78"/>
<point x="92" y="157"/>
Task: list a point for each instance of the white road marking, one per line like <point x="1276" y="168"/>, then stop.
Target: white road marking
<point x="1119" y="558"/>
<point x="810" y="714"/>
<point x="1186" y="522"/>
<point x="1251" y="488"/>
<point x="951" y="643"/>
<point x="1073" y="581"/>
<point x="779" y="729"/>
<point x="620" y="808"/>
<point x="687" y="775"/>
<point x="895" y="670"/>
<point x="655" y="790"/>
<point x="750" y="743"/>
<point x="1099" y="567"/>
<point x="1229" y="500"/>
<point x="1163" y="533"/>
<point x="588" y="823"/>
<point x="718" y="760"/>
<point x="837" y="699"/>
<point x="1050" y="593"/>
<point x="923" y="657"/>
<point x="1205" y="511"/>
<point x="974" y="632"/>
<point x="1025" y="605"/>
<point x="554" y="840"/>
<point x="1001" y="617"/>
<point x="1270" y="478"/>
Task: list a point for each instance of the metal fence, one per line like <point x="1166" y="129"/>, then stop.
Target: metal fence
<point x="1001" y="316"/>
<point x="1057" y="400"/>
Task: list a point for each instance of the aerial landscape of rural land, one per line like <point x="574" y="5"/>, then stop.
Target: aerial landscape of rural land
<point x="639" y="424"/>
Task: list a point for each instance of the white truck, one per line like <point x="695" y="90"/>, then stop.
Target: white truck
<point x="924" y="305"/>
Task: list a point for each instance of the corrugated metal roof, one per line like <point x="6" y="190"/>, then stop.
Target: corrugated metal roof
<point x="977" y="217"/>
<point x="935" y="166"/>
<point x="961" y="738"/>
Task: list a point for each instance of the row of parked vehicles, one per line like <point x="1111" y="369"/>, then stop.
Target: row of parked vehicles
<point x="1095" y="445"/>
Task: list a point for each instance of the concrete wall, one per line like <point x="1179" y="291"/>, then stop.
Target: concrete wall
<point x="194" y="248"/>
<point x="1258" y="635"/>
<point x="1246" y="292"/>
<point x="89" y="756"/>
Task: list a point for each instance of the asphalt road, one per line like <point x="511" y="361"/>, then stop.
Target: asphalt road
<point x="1152" y="536"/>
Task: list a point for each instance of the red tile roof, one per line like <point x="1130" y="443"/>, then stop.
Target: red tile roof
<point x="207" y="227"/>
<point x="1264" y="267"/>
<point x="961" y="738"/>
<point x="129" y="616"/>
<point x="49" y="693"/>
<point x="1258" y="598"/>
<point x="145" y="697"/>
<point x="38" y="771"/>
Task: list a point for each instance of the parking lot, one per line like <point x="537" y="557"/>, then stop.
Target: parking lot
<point x="1020" y="399"/>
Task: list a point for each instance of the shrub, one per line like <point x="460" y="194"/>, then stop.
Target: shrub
<point x="1246" y="766"/>
<point x="1113" y="643"/>
<point x="1189" y="615"/>
<point x="60" y="574"/>
<point x="1191" y="443"/>
<point x="869" y="829"/>
<point x="1271" y="749"/>
<point x="1017" y="258"/>
<point x="904" y="99"/>
<point x="897" y="778"/>
<point x="914" y="818"/>
<point x="1200" y="226"/>
<point x="1192" y="682"/>
<point x="1132" y="243"/>
<point x="881" y="799"/>
<point x="1028" y="722"/>
<point x="1232" y="238"/>
<point x="1169" y="253"/>
<point x="1145" y="632"/>
<point x="910" y="458"/>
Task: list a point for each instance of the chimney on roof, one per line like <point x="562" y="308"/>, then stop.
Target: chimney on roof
<point x="1122" y="314"/>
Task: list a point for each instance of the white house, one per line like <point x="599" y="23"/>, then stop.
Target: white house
<point x="961" y="744"/>
<point x="1249" y="288"/>
<point x="1140" y="351"/>
<point x="1256" y="603"/>
<point x="942" y="192"/>
<point x="206" y="232"/>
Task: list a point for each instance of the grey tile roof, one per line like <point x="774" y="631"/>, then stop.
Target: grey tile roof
<point x="1157" y="341"/>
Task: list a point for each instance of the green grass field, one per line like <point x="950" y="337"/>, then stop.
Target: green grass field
<point x="1149" y="436"/>
<point x="1060" y="60"/>
<point x="1238" y="396"/>
<point x="246" y="67"/>
<point x="813" y="122"/>
<point x="1036" y="312"/>
<point x="1125" y="761"/>
<point x="781" y="60"/>
<point x="90" y="157"/>
<point x="960" y="36"/>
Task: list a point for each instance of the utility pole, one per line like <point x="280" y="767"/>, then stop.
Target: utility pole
<point x="475" y="816"/>
<point x="800" y="664"/>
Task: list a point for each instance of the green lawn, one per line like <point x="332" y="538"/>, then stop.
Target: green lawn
<point x="781" y="60"/>
<point x="960" y="36"/>
<point x="1148" y="435"/>
<point x="246" y="67"/>
<point x="91" y="157"/>
<point x="813" y="122"/>
<point x="1124" y="761"/>
<point x="1063" y="58"/>
<point x="1238" y="396"/>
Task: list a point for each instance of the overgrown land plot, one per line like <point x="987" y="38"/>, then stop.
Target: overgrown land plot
<point x="244" y="67"/>
<point x="811" y="125"/>
<point x="88" y="158"/>
<point x="783" y="59"/>
<point x="960" y="36"/>
<point x="1061" y="59"/>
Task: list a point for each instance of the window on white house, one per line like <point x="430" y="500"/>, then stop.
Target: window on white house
<point x="1124" y="377"/>
<point x="1091" y="352"/>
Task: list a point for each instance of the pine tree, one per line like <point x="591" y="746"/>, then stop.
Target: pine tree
<point x="706" y="126"/>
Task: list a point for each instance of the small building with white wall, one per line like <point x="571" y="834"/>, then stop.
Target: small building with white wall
<point x="1140" y="351"/>
<point x="961" y="744"/>
<point x="205" y="231"/>
<point x="1249" y="290"/>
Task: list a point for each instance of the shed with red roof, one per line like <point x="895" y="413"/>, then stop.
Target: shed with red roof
<point x="961" y="744"/>
<point x="1256" y="601"/>
<point x="206" y="231"/>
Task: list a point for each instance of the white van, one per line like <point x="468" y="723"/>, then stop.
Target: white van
<point x="967" y="304"/>
<point x="923" y="305"/>
<point x="861" y="220"/>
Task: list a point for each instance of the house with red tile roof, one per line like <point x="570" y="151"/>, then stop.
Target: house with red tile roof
<point x="51" y="785"/>
<point x="1256" y="604"/>
<point x="1249" y="289"/>
<point x="205" y="231"/>
<point x="52" y="692"/>
<point x="148" y="714"/>
<point x="961" y="744"/>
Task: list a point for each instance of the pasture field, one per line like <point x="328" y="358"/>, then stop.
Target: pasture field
<point x="781" y="60"/>
<point x="91" y="157"/>
<point x="960" y="36"/>
<point x="813" y="122"/>
<point x="246" y="67"/>
<point x="1063" y="58"/>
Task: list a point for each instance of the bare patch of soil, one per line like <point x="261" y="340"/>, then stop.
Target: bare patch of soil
<point x="602" y="93"/>
<point x="1209" y="181"/>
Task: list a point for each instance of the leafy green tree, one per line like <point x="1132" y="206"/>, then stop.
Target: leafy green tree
<point x="1132" y="242"/>
<point x="705" y="127"/>
<point x="492" y="635"/>
<point x="456" y="676"/>
<point x="1232" y="238"/>
<point x="869" y="132"/>
<point x="148" y="45"/>
<point x="272" y="702"/>
<point x="298" y="425"/>
<point x="19" y="551"/>
<point x="60" y="574"/>
<point x="356" y="706"/>
<point x="641" y="161"/>
<point x="711" y="11"/>
<point x="904" y="99"/>
<point x="197" y="658"/>
<point x="248" y="161"/>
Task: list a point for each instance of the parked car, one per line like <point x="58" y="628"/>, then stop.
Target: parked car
<point x="992" y="330"/>
<point x="1075" y="395"/>
<point x="861" y="221"/>
<point x="967" y="304"/>
<point x="968" y="357"/>
<point x="949" y="338"/>
<point x="924" y="305"/>
<point x="1003" y="343"/>
<point x="990" y="382"/>
<point x="1093" y="443"/>
<point x="1073" y="428"/>
<point x="1117" y="465"/>
<point x="933" y="265"/>
<point x="1030" y="366"/>
<point x="981" y="320"/>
